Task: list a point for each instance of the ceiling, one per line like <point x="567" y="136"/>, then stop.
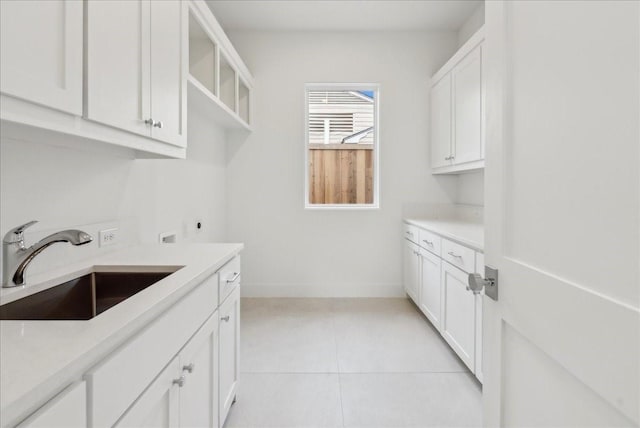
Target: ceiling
<point x="344" y="15"/>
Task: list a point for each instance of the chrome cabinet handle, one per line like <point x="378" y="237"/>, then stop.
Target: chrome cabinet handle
<point x="452" y="254"/>
<point x="225" y="319"/>
<point x="188" y="368"/>
<point x="180" y="381"/>
<point x="429" y="243"/>
<point x="234" y="277"/>
<point x="450" y="158"/>
<point x="409" y="233"/>
<point x="149" y="121"/>
<point x="158" y="124"/>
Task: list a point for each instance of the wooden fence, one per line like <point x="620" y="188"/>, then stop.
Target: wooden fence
<point x="341" y="173"/>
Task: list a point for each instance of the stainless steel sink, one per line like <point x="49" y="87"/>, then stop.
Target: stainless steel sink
<point x="84" y="297"/>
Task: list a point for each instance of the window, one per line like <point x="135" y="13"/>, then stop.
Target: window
<point x="341" y="146"/>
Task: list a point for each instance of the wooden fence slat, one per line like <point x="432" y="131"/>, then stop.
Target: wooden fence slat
<point x="341" y="176"/>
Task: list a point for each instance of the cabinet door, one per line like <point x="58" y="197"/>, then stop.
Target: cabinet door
<point x="411" y="271"/>
<point x="68" y="409"/>
<point x="467" y="108"/>
<point x="430" y="287"/>
<point x="157" y="407"/>
<point x="479" y="298"/>
<point x="41" y="52"/>
<point x="441" y="122"/>
<point x="199" y="361"/>
<point x="169" y="22"/>
<point x="229" y="352"/>
<point x="118" y="47"/>
<point x="458" y="313"/>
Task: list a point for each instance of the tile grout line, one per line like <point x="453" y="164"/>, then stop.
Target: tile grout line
<point x="360" y="373"/>
<point x="335" y="342"/>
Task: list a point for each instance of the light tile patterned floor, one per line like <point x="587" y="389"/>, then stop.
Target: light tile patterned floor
<point x="348" y="363"/>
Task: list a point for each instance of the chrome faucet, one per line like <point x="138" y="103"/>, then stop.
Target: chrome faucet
<point x="16" y="257"/>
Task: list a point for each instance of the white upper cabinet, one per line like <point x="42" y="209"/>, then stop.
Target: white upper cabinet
<point x="136" y="76"/>
<point x="169" y="69"/>
<point x="41" y="52"/>
<point x="441" y="122"/>
<point x="466" y="80"/>
<point x="457" y="103"/>
<point x="118" y="64"/>
<point x="78" y="73"/>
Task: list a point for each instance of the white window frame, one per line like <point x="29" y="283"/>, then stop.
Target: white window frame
<point x="375" y="87"/>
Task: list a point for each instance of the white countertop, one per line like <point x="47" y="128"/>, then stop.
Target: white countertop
<point x="40" y="358"/>
<point x="467" y="233"/>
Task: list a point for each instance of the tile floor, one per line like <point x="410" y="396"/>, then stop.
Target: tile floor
<point x="348" y="363"/>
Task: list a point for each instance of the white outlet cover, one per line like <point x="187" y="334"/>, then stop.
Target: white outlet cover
<point x="108" y="237"/>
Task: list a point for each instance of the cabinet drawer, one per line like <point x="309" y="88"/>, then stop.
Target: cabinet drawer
<point x="229" y="277"/>
<point x="115" y="383"/>
<point x="458" y="255"/>
<point x="68" y="409"/>
<point x="430" y="241"/>
<point x="411" y="232"/>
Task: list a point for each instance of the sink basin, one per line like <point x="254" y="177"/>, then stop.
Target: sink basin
<point x="84" y="297"/>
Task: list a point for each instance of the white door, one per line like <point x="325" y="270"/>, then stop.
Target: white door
<point x="229" y="352"/>
<point x="411" y="270"/>
<point x="41" y="52"/>
<point x="169" y="50"/>
<point x="466" y="80"/>
<point x="199" y="361"/>
<point x="458" y="314"/>
<point x="562" y="213"/>
<point x="441" y="122"/>
<point x="430" y="286"/>
<point x="118" y="77"/>
<point x="158" y="406"/>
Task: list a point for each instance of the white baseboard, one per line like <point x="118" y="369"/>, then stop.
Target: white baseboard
<point x="329" y="290"/>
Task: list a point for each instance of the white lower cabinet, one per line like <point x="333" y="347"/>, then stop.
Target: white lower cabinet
<point x="199" y="365"/>
<point x="435" y="278"/>
<point x="180" y="370"/>
<point x="68" y="409"/>
<point x="185" y="393"/>
<point x="459" y="313"/>
<point x="411" y="270"/>
<point x="158" y="406"/>
<point x="229" y="352"/>
<point x="430" y="294"/>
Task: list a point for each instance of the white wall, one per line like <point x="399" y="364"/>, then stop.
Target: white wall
<point x="471" y="188"/>
<point x="63" y="187"/>
<point x="471" y="25"/>
<point x="295" y="252"/>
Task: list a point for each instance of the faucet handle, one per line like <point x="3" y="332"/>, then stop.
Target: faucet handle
<point x="15" y="234"/>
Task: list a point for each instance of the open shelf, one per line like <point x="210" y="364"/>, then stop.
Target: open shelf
<point x="243" y="101"/>
<point x="202" y="56"/>
<point x="227" y="83"/>
<point x="203" y="100"/>
<point x="214" y="82"/>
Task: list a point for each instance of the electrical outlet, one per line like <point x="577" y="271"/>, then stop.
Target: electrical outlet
<point x="108" y="237"/>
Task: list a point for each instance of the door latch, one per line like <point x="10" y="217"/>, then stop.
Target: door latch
<point x="489" y="283"/>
